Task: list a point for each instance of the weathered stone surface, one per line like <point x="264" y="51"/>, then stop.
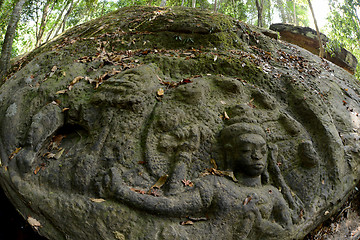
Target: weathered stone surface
<point x="161" y="123"/>
<point x="307" y="38"/>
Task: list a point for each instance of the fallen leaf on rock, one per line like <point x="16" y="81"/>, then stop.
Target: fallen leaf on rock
<point x="118" y="235"/>
<point x="160" y="182"/>
<point x="250" y="103"/>
<point x="16" y="151"/>
<point x="56" y="141"/>
<point x="74" y="81"/>
<point x="50" y="155"/>
<point x="188" y="222"/>
<point x="187" y="182"/>
<point x="54" y="68"/>
<point x="97" y="200"/>
<point x="154" y="192"/>
<point x="34" y="223"/>
<point x="197" y="219"/>
<point x="301" y="215"/>
<point x="39" y="168"/>
<point x="226" y="116"/>
<point x="90" y="80"/>
<point x="138" y="190"/>
<point x="58" y="154"/>
<point x="229" y="174"/>
<point x="160" y="92"/>
<point x="61" y="91"/>
<point x="213" y="162"/>
<point x="247" y="200"/>
<point x="213" y="171"/>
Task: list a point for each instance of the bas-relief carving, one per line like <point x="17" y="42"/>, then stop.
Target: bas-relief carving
<point x="258" y="206"/>
<point x="268" y="151"/>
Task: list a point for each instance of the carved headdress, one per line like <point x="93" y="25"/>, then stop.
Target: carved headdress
<point x="242" y="122"/>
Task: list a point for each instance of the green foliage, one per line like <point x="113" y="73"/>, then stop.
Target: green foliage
<point x="278" y="9"/>
<point x="236" y="9"/>
<point x="345" y="26"/>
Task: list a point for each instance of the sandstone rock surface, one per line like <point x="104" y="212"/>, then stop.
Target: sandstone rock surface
<point x="159" y="123"/>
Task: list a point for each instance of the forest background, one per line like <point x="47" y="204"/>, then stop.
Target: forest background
<point x="39" y="21"/>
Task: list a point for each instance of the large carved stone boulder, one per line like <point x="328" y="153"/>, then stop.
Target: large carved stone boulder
<point x="307" y="38"/>
<point x="159" y="123"/>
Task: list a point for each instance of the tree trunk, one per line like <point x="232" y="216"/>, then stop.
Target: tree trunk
<point x="280" y="6"/>
<point x="182" y="3"/>
<point x="43" y="22"/>
<point x="163" y="3"/>
<point x="9" y="38"/>
<point x="72" y="6"/>
<point x="215" y="2"/>
<point x="193" y="4"/>
<point x="259" y="7"/>
<point x="61" y="23"/>
<point x="57" y="22"/>
<point x="321" y="53"/>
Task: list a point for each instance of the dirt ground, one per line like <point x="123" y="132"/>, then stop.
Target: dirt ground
<point x="343" y="226"/>
<point x="12" y="225"/>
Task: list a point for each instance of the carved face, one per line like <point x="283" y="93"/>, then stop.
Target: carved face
<point x="249" y="155"/>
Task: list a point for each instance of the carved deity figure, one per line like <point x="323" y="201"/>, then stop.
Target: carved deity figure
<point x="259" y="209"/>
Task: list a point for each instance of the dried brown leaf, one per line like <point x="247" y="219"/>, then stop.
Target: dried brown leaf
<point x="197" y="219"/>
<point x="54" y="68"/>
<point x="119" y="235"/>
<point x="56" y="141"/>
<point x="160" y="92"/>
<point x="247" y="200"/>
<point x="33" y="222"/>
<point x="188" y="222"/>
<point x="77" y="79"/>
<point x="187" y="182"/>
<point x="229" y="174"/>
<point x="160" y="182"/>
<point x="138" y="190"/>
<point x="16" y="151"/>
<point x="97" y="200"/>
<point x="58" y="154"/>
<point x="213" y="162"/>
<point x="61" y="91"/>
<point x="74" y="81"/>
<point x="37" y="169"/>
<point x="50" y="155"/>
